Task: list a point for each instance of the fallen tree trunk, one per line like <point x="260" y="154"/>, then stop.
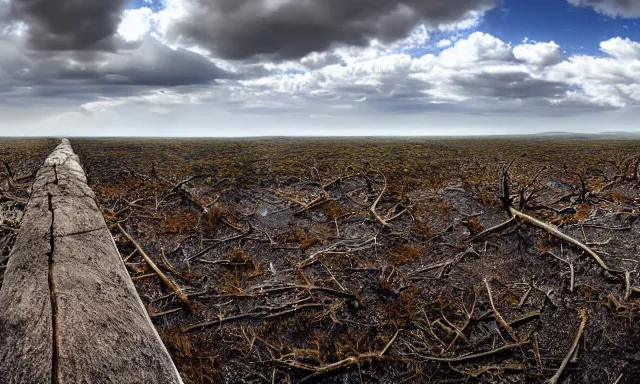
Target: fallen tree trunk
<point x="69" y="311"/>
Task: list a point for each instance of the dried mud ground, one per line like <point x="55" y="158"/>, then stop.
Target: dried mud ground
<point x="354" y="260"/>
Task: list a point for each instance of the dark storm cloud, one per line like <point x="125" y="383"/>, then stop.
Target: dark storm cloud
<point x="508" y="85"/>
<point x="288" y="29"/>
<point x="69" y="24"/>
<point x="151" y="65"/>
<point x="620" y="8"/>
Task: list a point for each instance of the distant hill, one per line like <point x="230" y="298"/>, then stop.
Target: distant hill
<point x="599" y="135"/>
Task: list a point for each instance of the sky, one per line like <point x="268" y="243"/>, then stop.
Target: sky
<point x="232" y="68"/>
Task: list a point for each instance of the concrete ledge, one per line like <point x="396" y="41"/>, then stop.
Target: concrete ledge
<point x="69" y="312"/>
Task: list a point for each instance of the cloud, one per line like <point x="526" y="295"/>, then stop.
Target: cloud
<point x="614" y="8"/>
<point x="542" y="54"/>
<point x="444" y="43"/>
<point x="608" y="82"/>
<point x="621" y="49"/>
<point x="479" y="74"/>
<point x="42" y="77"/>
<point x="291" y="29"/>
<point x="62" y="25"/>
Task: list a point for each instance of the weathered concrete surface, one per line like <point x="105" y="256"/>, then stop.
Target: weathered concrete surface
<point x="69" y="312"/>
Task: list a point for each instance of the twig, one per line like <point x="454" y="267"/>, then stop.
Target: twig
<point x="617" y="380"/>
<point x="536" y="352"/>
<point x="314" y="257"/>
<point x="142" y="277"/>
<point x="185" y="181"/>
<point x="466" y="324"/>
<point x="473" y="356"/>
<point x="498" y="316"/>
<point x="571" y="269"/>
<point x="627" y="282"/>
<point x="167" y="264"/>
<point x="524" y="297"/>
<point x="583" y="323"/>
<point x="168" y="282"/>
<point x="447" y="264"/>
<point x="286" y="288"/>
<point x="372" y="209"/>
<point x="562" y="236"/>
<point x="8" y="229"/>
<point x="220" y="321"/>
<point x="493" y="229"/>
<point x="386" y="347"/>
<point x="531" y="315"/>
<point x="295" y="309"/>
<point x="215" y="244"/>
<point x="154" y="315"/>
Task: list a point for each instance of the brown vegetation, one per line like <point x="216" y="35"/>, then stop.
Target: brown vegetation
<point x="379" y="260"/>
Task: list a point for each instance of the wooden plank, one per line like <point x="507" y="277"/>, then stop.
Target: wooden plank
<point x="25" y="304"/>
<point x="94" y="327"/>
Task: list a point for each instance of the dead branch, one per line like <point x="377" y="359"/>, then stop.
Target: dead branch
<point x="506" y="196"/>
<point x="493" y="229"/>
<point x="617" y="380"/>
<point x="526" y="317"/>
<point x="295" y="309"/>
<point x="552" y="230"/>
<point x="142" y="277"/>
<point x="524" y="197"/>
<point x="372" y="209"/>
<point x="583" y="184"/>
<point x="386" y="347"/>
<point x="447" y="264"/>
<point x="627" y="283"/>
<point x="350" y="248"/>
<point x="221" y="320"/>
<point x="160" y="314"/>
<point x="460" y="359"/>
<point x="339" y="365"/>
<point x="536" y="352"/>
<point x="498" y="316"/>
<point x="583" y="323"/>
<point x="571" y="269"/>
<point x="469" y="315"/>
<point x="4" y="228"/>
<point x="168" y="282"/>
<point x="215" y="244"/>
<point x="179" y="186"/>
<point x="524" y="297"/>
<point x="286" y="288"/>
<point x="170" y="295"/>
<point x="168" y="265"/>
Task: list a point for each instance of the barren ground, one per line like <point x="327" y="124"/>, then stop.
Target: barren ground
<point x="354" y="260"/>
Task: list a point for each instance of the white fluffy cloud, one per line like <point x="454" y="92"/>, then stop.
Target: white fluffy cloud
<point x="538" y="53"/>
<point x="480" y="70"/>
<point x="623" y="49"/>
